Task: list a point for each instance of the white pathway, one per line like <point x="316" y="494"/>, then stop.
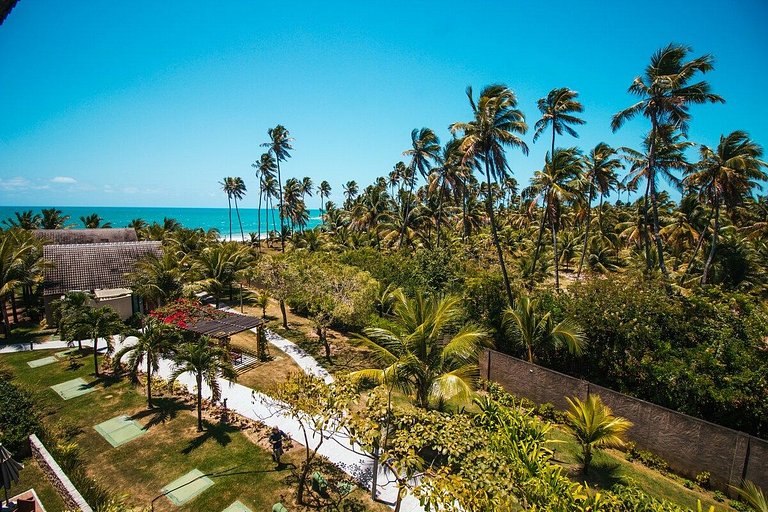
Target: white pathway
<point x="258" y="406"/>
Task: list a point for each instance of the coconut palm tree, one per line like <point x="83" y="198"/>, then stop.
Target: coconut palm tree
<point x="556" y="184"/>
<point x="227" y="185"/>
<point x="18" y="249"/>
<point x="103" y="322"/>
<point x="238" y="192"/>
<point x="494" y="127"/>
<point x="205" y="360"/>
<point x="666" y="94"/>
<point x="752" y="495"/>
<point x="594" y="426"/>
<point x="350" y="192"/>
<point x="306" y="187"/>
<point x="424" y="151"/>
<point x="52" y="218"/>
<point x="600" y="173"/>
<point x="279" y="145"/>
<point x="324" y="191"/>
<point x="217" y="267"/>
<point x="154" y="341"/>
<point x="158" y="279"/>
<point x="539" y="331"/>
<point x="423" y="355"/>
<point x="65" y="313"/>
<point x="265" y="168"/>
<point x="94" y="221"/>
<point x="724" y="177"/>
<point x="24" y="220"/>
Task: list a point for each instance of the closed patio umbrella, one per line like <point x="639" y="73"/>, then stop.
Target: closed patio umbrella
<point x="9" y="470"/>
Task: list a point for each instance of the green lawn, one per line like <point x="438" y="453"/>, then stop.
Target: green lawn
<point x="172" y="447"/>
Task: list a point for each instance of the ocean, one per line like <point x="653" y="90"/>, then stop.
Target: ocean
<point x="206" y="218"/>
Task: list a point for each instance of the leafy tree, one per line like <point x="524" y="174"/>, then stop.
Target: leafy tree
<point x="206" y="360"/>
<point x="158" y="279"/>
<point x="666" y="94"/>
<point x="52" y="218"/>
<point x="102" y="322"/>
<point x="424" y="151"/>
<point x="594" y="426"/>
<point x="154" y="341"/>
<point x="217" y="267"/>
<point x="423" y="354"/>
<point x="494" y="126"/>
<point x="539" y="331"/>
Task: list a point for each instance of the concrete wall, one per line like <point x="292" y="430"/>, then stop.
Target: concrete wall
<point x="122" y="305"/>
<point x="690" y="445"/>
<point x="58" y="478"/>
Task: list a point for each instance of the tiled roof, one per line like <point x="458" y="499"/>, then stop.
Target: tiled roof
<point x="87" y="236"/>
<point x="92" y="266"/>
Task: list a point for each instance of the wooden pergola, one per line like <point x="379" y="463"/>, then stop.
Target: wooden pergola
<point x="224" y="327"/>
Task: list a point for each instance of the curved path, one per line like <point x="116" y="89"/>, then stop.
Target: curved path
<point x="260" y="407"/>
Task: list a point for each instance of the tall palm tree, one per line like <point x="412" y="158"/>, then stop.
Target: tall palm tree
<point x="155" y="340"/>
<point x="422" y="354"/>
<point x="204" y="359"/>
<point x="324" y="191"/>
<point x="17" y="246"/>
<point x="265" y="169"/>
<point x="594" y="426"/>
<point x="494" y="127"/>
<point x="539" y="331"/>
<point x="24" y="220"/>
<point x="350" y="192"/>
<point x="557" y="183"/>
<point x="238" y="192"/>
<point x="601" y="169"/>
<point x="724" y="177"/>
<point x="666" y="94"/>
<point x="103" y="322"/>
<point x="52" y="218"/>
<point x="448" y="176"/>
<point x="271" y="191"/>
<point x="66" y="311"/>
<point x="424" y="151"/>
<point x="279" y="145"/>
<point x="306" y="187"/>
<point x="228" y="185"/>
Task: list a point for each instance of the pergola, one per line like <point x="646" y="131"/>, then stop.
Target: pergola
<point x="223" y="327"/>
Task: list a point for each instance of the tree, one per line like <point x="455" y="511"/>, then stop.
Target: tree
<point x="279" y="278"/>
<point x="94" y="221"/>
<point x="228" y="185"/>
<point x="279" y="145"/>
<point x="324" y="191"/>
<point x="24" y="220"/>
<point x="154" y="341"/>
<point x="238" y="192"/>
<point x="753" y="496"/>
<point x="265" y="170"/>
<point x="666" y="95"/>
<point x="66" y="312"/>
<point x="204" y="359"/>
<point x="53" y="219"/>
<point x="217" y="267"/>
<point x="601" y="174"/>
<point x="539" y="331"/>
<point x="103" y="322"/>
<point x="424" y="150"/>
<point x="594" y="426"/>
<point x="18" y="253"/>
<point x="158" y="279"/>
<point x="350" y="192"/>
<point x="724" y="177"/>
<point x="494" y="127"/>
<point x="423" y="354"/>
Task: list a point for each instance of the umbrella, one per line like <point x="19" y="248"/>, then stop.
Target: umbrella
<point x="9" y="470"/>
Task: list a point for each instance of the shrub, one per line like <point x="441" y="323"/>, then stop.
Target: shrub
<point x="719" y="496"/>
<point x="703" y="479"/>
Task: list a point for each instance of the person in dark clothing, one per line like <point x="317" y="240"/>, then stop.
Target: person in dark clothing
<point x="276" y="440"/>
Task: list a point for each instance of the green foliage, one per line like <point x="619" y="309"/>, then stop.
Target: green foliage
<point x="649" y="459"/>
<point x="18" y="415"/>
<point x="702" y="479"/>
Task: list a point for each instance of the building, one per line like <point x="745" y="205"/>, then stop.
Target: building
<point x="98" y="268"/>
<point x="86" y="236"/>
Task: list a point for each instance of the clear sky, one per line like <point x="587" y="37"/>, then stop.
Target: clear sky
<point x="151" y="103"/>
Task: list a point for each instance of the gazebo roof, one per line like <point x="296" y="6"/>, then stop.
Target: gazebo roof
<point x="223" y="327"/>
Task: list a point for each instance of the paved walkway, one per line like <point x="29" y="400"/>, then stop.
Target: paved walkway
<point x="258" y="406"/>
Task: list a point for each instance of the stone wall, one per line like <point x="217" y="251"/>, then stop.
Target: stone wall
<point x="58" y="478"/>
<point x="689" y="445"/>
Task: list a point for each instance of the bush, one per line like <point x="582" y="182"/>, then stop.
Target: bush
<point x="719" y="496"/>
<point x="18" y="416"/>
<point x="703" y="479"/>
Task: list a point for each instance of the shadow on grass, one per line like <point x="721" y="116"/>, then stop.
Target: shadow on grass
<point x="220" y="432"/>
<point x="603" y="474"/>
<point x="105" y="381"/>
<point x="164" y="409"/>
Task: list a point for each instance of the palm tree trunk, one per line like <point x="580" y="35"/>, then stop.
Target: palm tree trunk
<point x="644" y="233"/>
<point x="405" y="213"/>
<point x="229" y="207"/>
<point x="465" y="227"/>
<point x="495" y="235"/>
<point x="5" y="320"/>
<point x="149" y="382"/>
<point x="280" y="192"/>
<point x="199" y="379"/>
<point x="439" y="211"/>
<point x="712" y="250"/>
<point x="242" y="235"/>
<point x="600" y="214"/>
<point x="557" y="263"/>
<point x="96" y="355"/>
<point x="586" y="231"/>
<point x="258" y="215"/>
<point x="285" y="316"/>
<point x="698" y="246"/>
<point x="654" y="200"/>
<point x="539" y="241"/>
<point x="13" y="308"/>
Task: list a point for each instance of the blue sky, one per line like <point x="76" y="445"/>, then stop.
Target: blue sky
<point x="152" y="103"/>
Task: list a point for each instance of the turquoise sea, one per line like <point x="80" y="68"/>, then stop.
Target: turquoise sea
<point x="205" y="218"/>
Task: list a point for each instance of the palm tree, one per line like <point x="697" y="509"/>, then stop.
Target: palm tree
<point x="494" y="127"/>
<point x="666" y="94"/>
<point x="103" y="322"/>
<point x="238" y="192"/>
<point x="306" y="187"/>
<point x="600" y="174"/>
<point x="422" y="354"/>
<point x="24" y="220"/>
<point x="537" y="331"/>
<point x="93" y="221"/>
<point x="227" y="185"/>
<point x="140" y="226"/>
<point x="53" y="219"/>
<point x="324" y="191"/>
<point x="753" y="496"/>
<point x="350" y="192"/>
<point x="17" y="249"/>
<point x="594" y="426"/>
<point x="218" y="266"/>
<point x="279" y="145"/>
<point x="66" y="311"/>
<point x="155" y="340"/>
<point x="205" y="360"/>
<point x="557" y="183"/>
<point x="265" y="170"/>
<point x="158" y="279"/>
<point x="424" y="150"/>
<point x="724" y="177"/>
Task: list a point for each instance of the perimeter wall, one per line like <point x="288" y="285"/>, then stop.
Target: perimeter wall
<point x="689" y="445"/>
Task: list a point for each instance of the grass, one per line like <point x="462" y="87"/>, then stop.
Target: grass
<point x="240" y="469"/>
<point x="264" y="376"/>
<point x="610" y="467"/>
